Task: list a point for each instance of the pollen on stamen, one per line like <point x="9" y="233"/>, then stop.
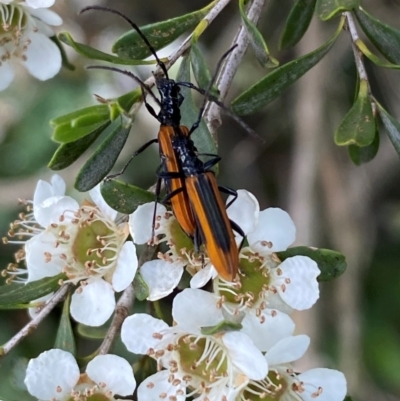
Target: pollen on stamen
<point x="163" y="395"/>
<point x="58" y="389"/>
<point x="274" y="313"/>
<point x="150" y="385"/>
<point x="172" y="398"/>
<point x="157" y="336"/>
<point x="102" y="384"/>
<point x="317" y="393"/>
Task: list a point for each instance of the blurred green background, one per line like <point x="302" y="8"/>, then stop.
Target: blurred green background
<point x="355" y="326"/>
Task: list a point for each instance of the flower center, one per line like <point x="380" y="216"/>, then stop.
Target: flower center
<point x="272" y="388"/>
<point x="255" y="280"/>
<point x="14" y="23"/>
<point x="203" y="357"/>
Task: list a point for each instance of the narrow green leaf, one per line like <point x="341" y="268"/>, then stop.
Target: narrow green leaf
<point x="65" y="339"/>
<point x="160" y="34"/>
<point x="104" y="158"/>
<point x="141" y="288"/>
<point x="68" y="153"/>
<point x="64" y="134"/>
<point x="274" y="83"/>
<point x="94" y="333"/>
<point x="376" y="60"/>
<point x="123" y="197"/>
<point x="64" y="57"/>
<point x="199" y="66"/>
<point x="385" y="38"/>
<point x="328" y="9"/>
<point x="16" y="296"/>
<point x="331" y="263"/>
<point x="364" y="154"/>
<point x="95" y="54"/>
<point x="190" y="113"/>
<point x="297" y="23"/>
<point x="358" y="125"/>
<point x="392" y="127"/>
<point x="70" y="118"/>
<point x="257" y="41"/>
<point x="221" y="327"/>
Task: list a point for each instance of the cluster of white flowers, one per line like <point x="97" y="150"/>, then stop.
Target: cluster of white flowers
<point x="24" y="39"/>
<point x="235" y="343"/>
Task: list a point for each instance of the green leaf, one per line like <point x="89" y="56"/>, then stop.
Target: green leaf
<point x="364" y="154"/>
<point x="140" y="287"/>
<point x="78" y="124"/>
<point x="94" y="333"/>
<point x="376" y="60"/>
<point x="64" y="57"/>
<point x="16" y="296"/>
<point x="297" y="23"/>
<point x="199" y="66"/>
<point x="274" y="83"/>
<point x="331" y="263"/>
<point x="385" y="38"/>
<point x="68" y="153"/>
<point x="160" y="34"/>
<point x="104" y="158"/>
<point x="95" y="54"/>
<point x="257" y="42"/>
<point x="190" y="113"/>
<point x="65" y="336"/>
<point x="358" y="125"/>
<point x="221" y="327"/>
<point x="328" y="9"/>
<point x="70" y="119"/>
<point x="123" y="197"/>
<point x="392" y="127"/>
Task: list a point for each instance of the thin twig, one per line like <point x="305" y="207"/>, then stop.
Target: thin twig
<point x="34" y="323"/>
<point x="124" y="305"/>
<point x="182" y="48"/>
<point x="212" y="115"/>
<point x="354" y="38"/>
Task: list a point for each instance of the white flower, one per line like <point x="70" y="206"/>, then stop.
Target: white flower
<point x="266" y="285"/>
<point x="163" y="275"/>
<point x="282" y="384"/>
<point x="54" y="375"/>
<point x="82" y="242"/>
<point x="196" y="363"/>
<point x="24" y="38"/>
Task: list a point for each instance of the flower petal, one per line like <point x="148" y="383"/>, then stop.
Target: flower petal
<point x="6" y="75"/>
<point x="43" y="57"/>
<point x="138" y="331"/>
<point x="194" y="308"/>
<point x="141" y="222"/>
<point x="158" y="386"/>
<point x="276" y="325"/>
<point x="202" y="277"/>
<point x="332" y="382"/>
<point x="38" y="265"/>
<point x="302" y="291"/>
<point x="51" y="209"/>
<point x="275" y="231"/>
<point x="52" y="375"/>
<point x="288" y="350"/>
<point x="244" y="211"/>
<point x="47" y="16"/>
<point x="126" y="267"/>
<point x="94" y="304"/>
<point x="46" y="189"/>
<point x="161" y="277"/>
<point x="98" y="199"/>
<point x="39" y="3"/>
<point x="245" y="355"/>
<point x="115" y="372"/>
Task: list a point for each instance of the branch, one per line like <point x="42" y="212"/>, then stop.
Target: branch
<point x="124" y="305"/>
<point x="34" y="323"/>
<point x="354" y="38"/>
<point x="212" y="115"/>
